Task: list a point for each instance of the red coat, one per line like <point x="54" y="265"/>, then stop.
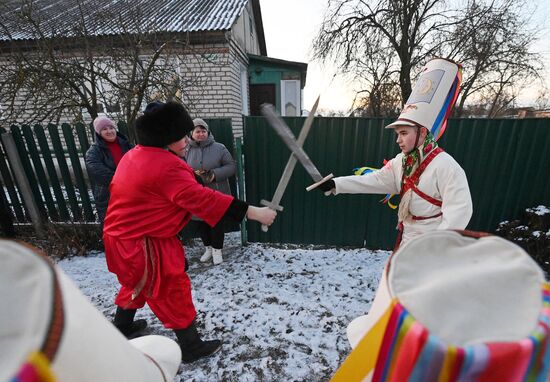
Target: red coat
<point x="153" y="196"/>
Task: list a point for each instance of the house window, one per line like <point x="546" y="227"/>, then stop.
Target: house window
<point x="244" y="90"/>
<point x="290" y="98"/>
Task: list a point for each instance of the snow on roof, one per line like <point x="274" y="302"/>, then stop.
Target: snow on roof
<point x="105" y="17"/>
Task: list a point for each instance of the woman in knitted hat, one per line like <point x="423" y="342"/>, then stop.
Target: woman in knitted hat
<point x="153" y="196"/>
<point x="214" y="164"/>
<point x="102" y="159"/>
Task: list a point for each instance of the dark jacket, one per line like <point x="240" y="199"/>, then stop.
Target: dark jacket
<point x="101" y="168"/>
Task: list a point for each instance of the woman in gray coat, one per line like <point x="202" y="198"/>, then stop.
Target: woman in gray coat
<point x="215" y="165"/>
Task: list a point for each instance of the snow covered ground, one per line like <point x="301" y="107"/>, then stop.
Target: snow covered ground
<point x="280" y="311"/>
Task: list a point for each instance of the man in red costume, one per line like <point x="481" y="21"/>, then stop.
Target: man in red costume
<point x="153" y="196"/>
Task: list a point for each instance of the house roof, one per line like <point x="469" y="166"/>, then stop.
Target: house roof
<point x="277" y="61"/>
<point x="294" y="65"/>
<point x="105" y="17"/>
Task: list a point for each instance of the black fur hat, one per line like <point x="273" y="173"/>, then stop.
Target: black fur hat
<point x="162" y="124"/>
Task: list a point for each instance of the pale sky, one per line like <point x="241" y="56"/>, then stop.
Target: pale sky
<point x="542" y="19"/>
<point x="290" y="26"/>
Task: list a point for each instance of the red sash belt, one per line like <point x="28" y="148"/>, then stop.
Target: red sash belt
<point x="426" y="217"/>
<point x="411" y="183"/>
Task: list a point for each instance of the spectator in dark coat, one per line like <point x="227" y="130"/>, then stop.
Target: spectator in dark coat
<point x="102" y="159"/>
<point x="214" y="164"/>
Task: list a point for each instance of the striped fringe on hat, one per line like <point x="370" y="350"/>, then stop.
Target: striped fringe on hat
<point x="36" y="369"/>
<point x="408" y="352"/>
<point x="440" y="123"/>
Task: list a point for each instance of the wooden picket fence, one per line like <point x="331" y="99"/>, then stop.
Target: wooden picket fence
<point x="46" y="166"/>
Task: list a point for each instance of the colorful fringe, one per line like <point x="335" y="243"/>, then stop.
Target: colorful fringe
<point x="408" y="352"/>
<point x="36" y="369"/>
<point x="440" y="123"/>
<point x="366" y="170"/>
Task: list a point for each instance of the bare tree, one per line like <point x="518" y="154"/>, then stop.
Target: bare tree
<point x="543" y="99"/>
<point x="329" y="113"/>
<point x="383" y="42"/>
<point x="401" y="33"/>
<point x="381" y="93"/>
<point x="58" y="70"/>
<point x="494" y="46"/>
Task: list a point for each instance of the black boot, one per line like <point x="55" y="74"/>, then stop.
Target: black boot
<point x="192" y="347"/>
<point x="124" y="321"/>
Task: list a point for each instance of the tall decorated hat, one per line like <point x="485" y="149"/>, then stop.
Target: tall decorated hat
<point x="433" y="97"/>
<point x="50" y="332"/>
<point x="454" y="306"/>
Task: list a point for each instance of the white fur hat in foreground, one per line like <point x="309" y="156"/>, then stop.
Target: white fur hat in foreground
<point x="49" y="330"/>
<point x="454" y="306"/>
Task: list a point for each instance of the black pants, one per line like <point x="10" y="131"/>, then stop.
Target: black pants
<point x="212" y="236"/>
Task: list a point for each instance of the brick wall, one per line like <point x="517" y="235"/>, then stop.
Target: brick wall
<point x="214" y="76"/>
<point x="219" y="95"/>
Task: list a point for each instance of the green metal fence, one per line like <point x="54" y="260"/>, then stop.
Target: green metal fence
<point x="507" y="163"/>
<point x="52" y="160"/>
<point x="223" y="133"/>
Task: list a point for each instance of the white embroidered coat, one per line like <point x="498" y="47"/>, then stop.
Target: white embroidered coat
<point x="443" y="179"/>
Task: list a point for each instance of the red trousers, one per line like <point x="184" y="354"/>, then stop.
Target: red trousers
<point x="152" y="271"/>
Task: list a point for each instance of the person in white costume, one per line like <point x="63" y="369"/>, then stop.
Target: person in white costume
<point x="433" y="187"/>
